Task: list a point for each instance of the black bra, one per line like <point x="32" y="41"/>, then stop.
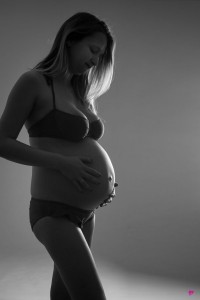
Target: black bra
<point x="62" y="125"/>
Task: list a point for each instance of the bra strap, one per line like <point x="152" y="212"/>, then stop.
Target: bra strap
<point x="52" y="88"/>
<point x="50" y="82"/>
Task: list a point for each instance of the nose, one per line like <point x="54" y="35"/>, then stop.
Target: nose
<point x="94" y="61"/>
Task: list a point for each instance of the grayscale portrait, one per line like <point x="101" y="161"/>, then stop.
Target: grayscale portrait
<point x="99" y="150"/>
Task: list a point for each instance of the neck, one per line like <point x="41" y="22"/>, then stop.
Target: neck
<point x="64" y="80"/>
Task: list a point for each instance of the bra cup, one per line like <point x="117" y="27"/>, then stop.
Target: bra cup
<point x="71" y="129"/>
<point x="96" y="129"/>
<point x="66" y="126"/>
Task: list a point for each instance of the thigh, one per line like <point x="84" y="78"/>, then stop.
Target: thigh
<point x="71" y="254"/>
<point x="88" y="230"/>
<point x="58" y="289"/>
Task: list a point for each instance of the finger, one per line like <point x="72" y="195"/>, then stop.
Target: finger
<point x="77" y="185"/>
<point x="112" y="195"/>
<point x="93" y="172"/>
<point x="84" y="184"/>
<point x="103" y="204"/>
<point x="110" y="200"/>
<point x="92" y="178"/>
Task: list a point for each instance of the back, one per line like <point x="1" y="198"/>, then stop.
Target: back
<point x="19" y="105"/>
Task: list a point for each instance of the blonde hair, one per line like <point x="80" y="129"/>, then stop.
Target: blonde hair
<point x="93" y="83"/>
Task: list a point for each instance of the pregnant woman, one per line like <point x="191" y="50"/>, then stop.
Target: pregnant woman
<point x="72" y="175"/>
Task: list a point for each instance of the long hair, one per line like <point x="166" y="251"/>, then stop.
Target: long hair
<point x="95" y="81"/>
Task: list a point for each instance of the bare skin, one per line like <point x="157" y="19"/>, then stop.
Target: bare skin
<point x="75" y="274"/>
<point x="51" y="184"/>
<point x="58" y="288"/>
<point x="65" y="242"/>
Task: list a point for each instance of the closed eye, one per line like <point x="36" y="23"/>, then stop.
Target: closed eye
<point x="95" y="52"/>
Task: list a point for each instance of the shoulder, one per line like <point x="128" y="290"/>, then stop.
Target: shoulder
<point x="36" y="79"/>
<point x="28" y="80"/>
<point x="32" y="76"/>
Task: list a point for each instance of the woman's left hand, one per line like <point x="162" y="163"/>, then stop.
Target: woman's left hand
<point x="111" y="196"/>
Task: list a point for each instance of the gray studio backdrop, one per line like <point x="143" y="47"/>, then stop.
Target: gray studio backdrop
<point x="152" y="131"/>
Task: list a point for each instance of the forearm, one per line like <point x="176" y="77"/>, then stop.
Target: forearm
<point x="21" y="153"/>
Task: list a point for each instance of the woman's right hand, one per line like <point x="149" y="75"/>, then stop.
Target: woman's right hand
<point x="75" y="169"/>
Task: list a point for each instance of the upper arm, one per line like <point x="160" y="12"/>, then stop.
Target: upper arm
<point x="19" y="105"/>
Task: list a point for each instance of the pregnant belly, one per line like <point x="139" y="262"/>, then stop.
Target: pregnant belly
<point x="52" y="185"/>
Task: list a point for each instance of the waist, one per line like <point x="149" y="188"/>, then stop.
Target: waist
<point x="52" y="185"/>
<point x="39" y="201"/>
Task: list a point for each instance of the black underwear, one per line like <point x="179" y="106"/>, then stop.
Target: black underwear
<point x="40" y="208"/>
